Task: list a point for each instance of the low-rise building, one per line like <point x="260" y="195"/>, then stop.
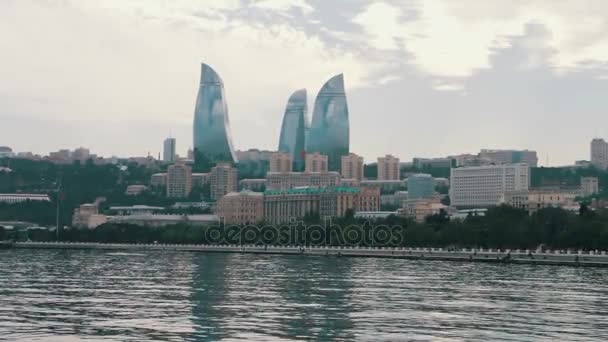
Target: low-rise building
<point x="289" y="180"/>
<point x="420" y="186"/>
<point x="87" y="216"/>
<point x="420" y="209"/>
<point x="157" y="220"/>
<point x="287" y="206"/>
<point x="589" y="186"/>
<point x="134" y="190"/>
<point x="158" y="180"/>
<point x="535" y="199"/>
<point x="18" y="198"/>
<point x="199" y="180"/>
<point x="385" y="186"/>
<point x="256" y="184"/>
<point x="245" y="207"/>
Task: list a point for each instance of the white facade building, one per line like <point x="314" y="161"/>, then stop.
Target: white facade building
<point x="484" y="186"/>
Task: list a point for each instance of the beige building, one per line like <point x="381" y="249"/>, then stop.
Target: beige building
<point x="316" y="162"/>
<point x="289" y="180"/>
<point x="245" y="207"/>
<point x="179" y="181"/>
<point x="388" y="168"/>
<point x="158" y="180"/>
<point x="599" y="153"/>
<point x="589" y="186"/>
<point x="536" y="199"/>
<point x="287" y="206"/>
<point x="369" y="199"/>
<point x="281" y="162"/>
<point x="87" y="216"/>
<point x="352" y="167"/>
<point x="254" y="184"/>
<point x="223" y="179"/>
<point x="134" y="190"/>
<point x="420" y="209"/>
<point x="200" y="179"/>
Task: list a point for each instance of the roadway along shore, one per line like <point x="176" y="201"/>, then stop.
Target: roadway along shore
<point x="593" y="258"/>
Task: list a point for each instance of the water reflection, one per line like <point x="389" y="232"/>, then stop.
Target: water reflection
<point x="95" y="295"/>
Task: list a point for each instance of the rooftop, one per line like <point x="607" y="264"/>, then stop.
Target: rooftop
<point x="312" y="190"/>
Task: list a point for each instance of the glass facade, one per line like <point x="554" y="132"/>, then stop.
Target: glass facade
<point x="329" y="130"/>
<point x="294" y="127"/>
<point x="211" y="125"/>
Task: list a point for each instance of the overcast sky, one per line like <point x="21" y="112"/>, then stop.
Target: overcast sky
<point x="424" y="78"/>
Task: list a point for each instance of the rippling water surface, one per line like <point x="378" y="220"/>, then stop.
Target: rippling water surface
<point x="50" y="295"/>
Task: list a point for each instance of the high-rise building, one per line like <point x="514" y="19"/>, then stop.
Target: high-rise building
<point x="245" y="207"/>
<point x="388" y="168"/>
<point x="510" y="157"/>
<point x="352" y="166"/>
<point x="281" y="162"/>
<point x="316" y="162"/>
<point x="484" y="186"/>
<point x="179" y="181"/>
<point x="599" y="153"/>
<point x="294" y="128"/>
<point x="211" y="125"/>
<point x="169" y="150"/>
<point x="329" y="129"/>
<point x="420" y="186"/>
<point x="223" y="179"/>
<point x="589" y="186"/>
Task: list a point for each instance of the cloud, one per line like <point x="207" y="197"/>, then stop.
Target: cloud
<point x="456" y="38"/>
<point x="284" y="5"/>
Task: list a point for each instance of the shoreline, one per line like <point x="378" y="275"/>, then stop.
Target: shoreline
<point x="557" y="258"/>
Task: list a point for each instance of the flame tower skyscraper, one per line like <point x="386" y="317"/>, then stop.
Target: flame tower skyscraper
<point x="211" y="135"/>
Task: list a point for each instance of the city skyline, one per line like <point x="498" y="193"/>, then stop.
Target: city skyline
<point x="425" y="79"/>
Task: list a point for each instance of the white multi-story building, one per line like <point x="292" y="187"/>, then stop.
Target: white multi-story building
<point x="388" y="168"/>
<point x="179" y="181"/>
<point x="281" y="162"/>
<point x="352" y="166"/>
<point x="316" y="162"/>
<point x="599" y="153"/>
<point x="484" y="186"/>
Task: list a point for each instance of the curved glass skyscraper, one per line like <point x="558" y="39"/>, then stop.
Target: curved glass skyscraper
<point x="293" y="130"/>
<point x="211" y="125"/>
<point x="329" y="130"/>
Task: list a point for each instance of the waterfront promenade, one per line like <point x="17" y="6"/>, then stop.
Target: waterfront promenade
<point x="548" y="257"/>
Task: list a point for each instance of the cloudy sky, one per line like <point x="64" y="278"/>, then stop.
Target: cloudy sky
<point x="424" y="78"/>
